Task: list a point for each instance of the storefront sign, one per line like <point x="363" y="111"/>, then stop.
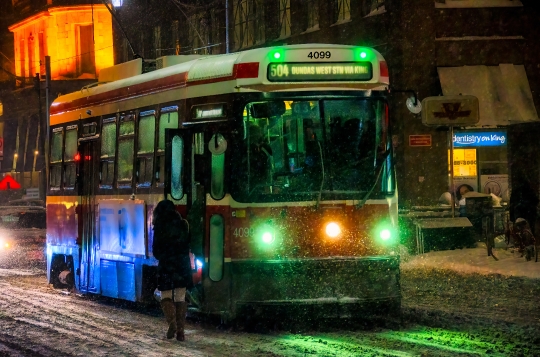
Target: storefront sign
<point x="419" y="140"/>
<point x="488" y="138"/>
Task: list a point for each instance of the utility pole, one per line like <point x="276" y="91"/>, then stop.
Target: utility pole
<point x="37" y="87"/>
<point x="47" y="119"/>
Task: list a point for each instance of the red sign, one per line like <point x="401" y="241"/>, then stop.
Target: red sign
<point x="9" y="183"/>
<point x="419" y="140"/>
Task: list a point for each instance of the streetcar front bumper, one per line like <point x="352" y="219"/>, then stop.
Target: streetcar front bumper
<point x="336" y="287"/>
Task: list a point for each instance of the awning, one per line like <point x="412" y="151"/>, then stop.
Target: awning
<point x="503" y="92"/>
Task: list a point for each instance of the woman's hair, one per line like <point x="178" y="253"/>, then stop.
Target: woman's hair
<point x="458" y="193"/>
<point x="162" y="210"/>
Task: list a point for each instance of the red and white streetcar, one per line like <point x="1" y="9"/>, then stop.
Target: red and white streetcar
<point x="279" y="157"/>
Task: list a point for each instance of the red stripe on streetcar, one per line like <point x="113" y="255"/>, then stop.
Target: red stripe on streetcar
<point x="384" y="68"/>
<point x="240" y="70"/>
<point x="246" y="70"/>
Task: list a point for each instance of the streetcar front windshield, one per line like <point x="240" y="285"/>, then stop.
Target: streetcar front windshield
<point x="304" y="148"/>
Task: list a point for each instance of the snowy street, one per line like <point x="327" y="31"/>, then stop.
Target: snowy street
<point x="455" y="303"/>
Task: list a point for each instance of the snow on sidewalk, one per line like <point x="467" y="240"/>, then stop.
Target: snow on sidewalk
<point x="475" y="260"/>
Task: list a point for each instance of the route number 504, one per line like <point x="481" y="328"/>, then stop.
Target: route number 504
<point x="279" y="70"/>
<point x="243" y="232"/>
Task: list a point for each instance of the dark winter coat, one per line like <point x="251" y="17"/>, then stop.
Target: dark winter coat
<point x="171" y="247"/>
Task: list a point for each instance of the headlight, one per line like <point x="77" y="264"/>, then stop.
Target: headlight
<point x="332" y="229"/>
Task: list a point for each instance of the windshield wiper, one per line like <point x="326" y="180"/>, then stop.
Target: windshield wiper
<point x="380" y="167"/>
<point x="323" y="175"/>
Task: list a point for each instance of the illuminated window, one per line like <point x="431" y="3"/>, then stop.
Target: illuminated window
<point x="342" y="10"/>
<point x="117" y="3"/>
<point x="167" y="120"/>
<point x="108" y="147"/>
<point x="56" y="146"/>
<point x="284" y="18"/>
<point x="312" y="14"/>
<point x="248" y="23"/>
<point x="126" y="139"/>
<point x="69" y="158"/>
<point x="145" y="150"/>
<point x="55" y="173"/>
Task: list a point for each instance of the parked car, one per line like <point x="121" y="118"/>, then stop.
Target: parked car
<point x="23" y="213"/>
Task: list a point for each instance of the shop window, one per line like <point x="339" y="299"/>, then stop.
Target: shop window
<point x="108" y="147"/>
<point x="145" y="149"/>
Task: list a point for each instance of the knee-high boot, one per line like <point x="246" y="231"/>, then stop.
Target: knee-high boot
<point x="169" y="309"/>
<point x="181" y="309"/>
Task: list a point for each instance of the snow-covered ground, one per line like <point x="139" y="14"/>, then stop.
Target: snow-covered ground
<point x="475" y="260"/>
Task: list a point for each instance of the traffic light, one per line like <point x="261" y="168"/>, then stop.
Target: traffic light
<point x="37" y="85"/>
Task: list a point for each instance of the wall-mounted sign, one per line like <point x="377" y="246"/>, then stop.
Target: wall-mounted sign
<point x="313" y="72"/>
<point x="419" y="140"/>
<point x="455" y="110"/>
<point x="488" y="138"/>
<point x="496" y="184"/>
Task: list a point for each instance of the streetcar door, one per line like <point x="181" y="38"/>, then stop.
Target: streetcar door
<point x="195" y="162"/>
<point x="86" y="182"/>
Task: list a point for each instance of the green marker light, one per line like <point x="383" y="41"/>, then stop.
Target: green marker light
<point x="385" y="234"/>
<point x="267" y="237"/>
<point x="277" y="55"/>
<point x="363" y="54"/>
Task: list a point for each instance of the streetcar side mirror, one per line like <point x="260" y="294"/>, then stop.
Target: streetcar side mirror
<point x="267" y="109"/>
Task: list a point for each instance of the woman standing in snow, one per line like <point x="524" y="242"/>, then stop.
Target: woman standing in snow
<point x="171" y="248"/>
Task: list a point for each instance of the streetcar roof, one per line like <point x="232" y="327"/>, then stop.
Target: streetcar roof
<point x="212" y="75"/>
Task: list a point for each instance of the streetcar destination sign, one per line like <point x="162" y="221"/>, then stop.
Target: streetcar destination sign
<point x="313" y="72"/>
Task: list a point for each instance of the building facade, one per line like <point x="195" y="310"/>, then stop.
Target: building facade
<point x="486" y="48"/>
<point x="77" y="37"/>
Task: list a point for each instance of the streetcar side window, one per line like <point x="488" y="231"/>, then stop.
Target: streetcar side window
<point x="126" y="142"/>
<point x="108" y="147"/>
<point x="56" y="159"/>
<point x="145" y="149"/>
<point x="69" y="158"/>
<point x="167" y="120"/>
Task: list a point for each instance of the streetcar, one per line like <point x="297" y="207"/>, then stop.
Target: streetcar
<point x="280" y="158"/>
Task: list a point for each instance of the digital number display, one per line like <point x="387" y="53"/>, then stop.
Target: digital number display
<point x="315" y="72"/>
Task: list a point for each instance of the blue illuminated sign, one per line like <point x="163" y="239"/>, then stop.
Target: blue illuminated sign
<point x="488" y="138"/>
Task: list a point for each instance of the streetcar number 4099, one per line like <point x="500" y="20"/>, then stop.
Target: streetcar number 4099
<point x="319" y="54"/>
